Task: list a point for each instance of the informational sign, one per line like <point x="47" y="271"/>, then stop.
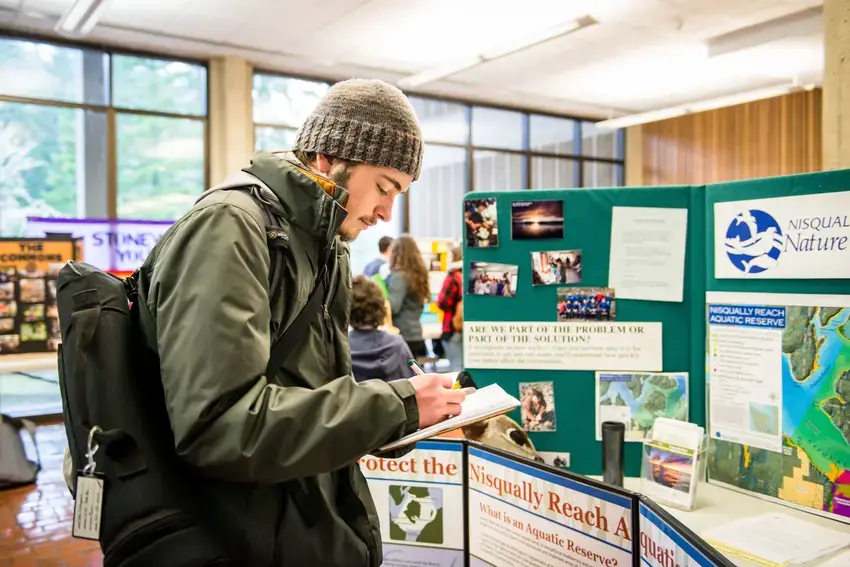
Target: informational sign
<point x="798" y="237"/>
<point x="29" y="317"/>
<point x="662" y="544"/>
<point x="573" y="345"/>
<point x="779" y="377"/>
<point x="524" y="516"/>
<point x="648" y="253"/>
<point x="420" y="498"/>
<point x="118" y="246"/>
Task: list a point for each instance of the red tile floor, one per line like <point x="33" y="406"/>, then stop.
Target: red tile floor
<point x="35" y="521"/>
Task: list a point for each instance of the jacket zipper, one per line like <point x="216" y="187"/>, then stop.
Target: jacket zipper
<point x="327" y="316"/>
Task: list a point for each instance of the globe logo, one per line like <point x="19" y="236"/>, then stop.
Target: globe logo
<point x="754" y="241"/>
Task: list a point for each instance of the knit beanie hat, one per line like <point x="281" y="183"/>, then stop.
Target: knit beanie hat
<point x="365" y="120"/>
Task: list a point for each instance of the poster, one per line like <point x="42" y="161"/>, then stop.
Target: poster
<point x="523" y="516"/>
<point x="662" y="545"/>
<point x="118" y="246"/>
<point x="778" y="384"/>
<point x="796" y="237"/>
<point x="29" y="316"/>
<point x="648" y="253"/>
<point x="636" y="399"/>
<point x="575" y="345"/>
<point x="420" y="499"/>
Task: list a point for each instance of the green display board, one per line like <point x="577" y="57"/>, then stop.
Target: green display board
<point x="812" y="470"/>
<point x="587" y="227"/>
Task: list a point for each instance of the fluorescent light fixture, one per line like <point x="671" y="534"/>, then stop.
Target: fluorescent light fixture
<point x="700" y="106"/>
<point x="498" y="52"/>
<point x="81" y="18"/>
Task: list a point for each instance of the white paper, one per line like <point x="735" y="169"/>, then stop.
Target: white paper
<point x="488" y="401"/>
<point x="777" y="538"/>
<point x="648" y="253"/>
<point x="573" y="345"/>
<point x="840" y="560"/>
<point x="671" y="462"/>
<point x="88" y="507"/>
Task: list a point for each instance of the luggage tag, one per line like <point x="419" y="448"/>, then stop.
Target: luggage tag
<point x="88" y="501"/>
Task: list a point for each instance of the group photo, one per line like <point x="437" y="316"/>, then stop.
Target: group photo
<point x="586" y="304"/>
<point x="487" y="278"/>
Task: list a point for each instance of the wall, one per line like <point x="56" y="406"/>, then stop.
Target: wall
<point x="776" y="136"/>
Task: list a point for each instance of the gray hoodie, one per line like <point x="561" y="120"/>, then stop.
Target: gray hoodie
<point x="378" y="354"/>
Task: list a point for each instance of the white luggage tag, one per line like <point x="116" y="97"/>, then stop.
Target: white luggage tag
<point x="88" y="500"/>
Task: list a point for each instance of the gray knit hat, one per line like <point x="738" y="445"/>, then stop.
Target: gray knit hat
<point x="365" y="120"/>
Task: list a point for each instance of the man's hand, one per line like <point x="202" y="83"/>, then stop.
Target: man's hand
<point x="435" y="398"/>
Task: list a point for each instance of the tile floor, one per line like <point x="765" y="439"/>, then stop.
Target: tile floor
<point x="35" y="521"/>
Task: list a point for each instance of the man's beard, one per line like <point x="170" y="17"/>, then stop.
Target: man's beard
<point x="341" y="177"/>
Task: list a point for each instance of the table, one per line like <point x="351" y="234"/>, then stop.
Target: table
<point x="717" y="505"/>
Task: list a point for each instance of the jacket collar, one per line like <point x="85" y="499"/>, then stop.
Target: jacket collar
<point x="308" y="200"/>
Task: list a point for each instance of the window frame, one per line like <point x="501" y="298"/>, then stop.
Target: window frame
<point x="111" y="111"/>
<point x="469" y="104"/>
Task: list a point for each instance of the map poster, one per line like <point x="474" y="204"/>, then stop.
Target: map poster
<point x="663" y="545"/>
<point x="419" y="498"/>
<point x="573" y="345"/>
<point x="523" y="516"/>
<point x="795" y="380"/>
<point x="636" y="399"/>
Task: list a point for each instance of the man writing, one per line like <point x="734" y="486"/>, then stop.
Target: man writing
<point x="206" y="310"/>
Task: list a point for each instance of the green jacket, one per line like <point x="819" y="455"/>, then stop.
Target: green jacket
<point x="206" y="310"/>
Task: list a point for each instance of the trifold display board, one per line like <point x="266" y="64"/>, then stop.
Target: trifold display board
<point x="751" y="336"/>
<point x="461" y="504"/>
<point x="533" y="340"/>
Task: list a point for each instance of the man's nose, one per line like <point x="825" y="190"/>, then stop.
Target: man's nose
<point x="384" y="210"/>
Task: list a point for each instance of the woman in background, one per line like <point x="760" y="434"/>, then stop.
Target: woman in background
<point x="450" y="301"/>
<point x="409" y="290"/>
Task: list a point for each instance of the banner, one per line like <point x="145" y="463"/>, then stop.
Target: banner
<point x="663" y="545"/>
<point x="525" y="516"/>
<point x="799" y="237"/>
<point x="420" y="501"/>
<point x="29" y="318"/>
<point x="578" y="345"/>
<point x="118" y="246"/>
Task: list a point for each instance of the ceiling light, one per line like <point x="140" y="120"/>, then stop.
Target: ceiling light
<point x="699" y="106"/>
<point x="81" y="17"/>
<point x="498" y="52"/>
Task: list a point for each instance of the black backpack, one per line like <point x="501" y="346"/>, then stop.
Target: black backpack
<point x="116" y="419"/>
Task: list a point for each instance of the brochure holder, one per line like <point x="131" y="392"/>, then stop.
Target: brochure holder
<point x="673" y="460"/>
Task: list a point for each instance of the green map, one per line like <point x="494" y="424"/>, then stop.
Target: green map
<point x="416" y="514"/>
<point x="637" y="399"/>
<point x="814" y="468"/>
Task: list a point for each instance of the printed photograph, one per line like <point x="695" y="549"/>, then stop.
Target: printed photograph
<point x="557" y="267"/>
<point x="587" y="304"/>
<point x="33" y="312"/>
<point x="538" y="406"/>
<point x="482" y="223"/>
<point x="416" y="514"/>
<point x="7" y="274"/>
<point x="9" y="344"/>
<point x="488" y="278"/>
<point x="670" y="469"/>
<point x="7" y="325"/>
<point x="33" y="332"/>
<point x="557" y="460"/>
<point x="537" y="220"/>
<point x="32" y="291"/>
<point x="7" y="291"/>
<point x="8" y="309"/>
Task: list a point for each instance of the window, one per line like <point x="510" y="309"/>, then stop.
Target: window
<point x="607" y="144"/>
<point x="442" y="185"/>
<point x="499" y="171"/>
<point x="602" y="174"/>
<point x="281" y="104"/>
<point x="552" y="135"/>
<point x="553" y="173"/>
<point x="68" y="114"/>
<point x="442" y="122"/>
<point x="494" y="128"/>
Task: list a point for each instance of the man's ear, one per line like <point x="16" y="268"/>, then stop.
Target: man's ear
<point x="323" y="163"/>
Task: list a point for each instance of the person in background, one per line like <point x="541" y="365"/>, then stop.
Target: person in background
<point x="375" y="354"/>
<point x="384" y="246"/>
<point x="449" y="301"/>
<point x="409" y="289"/>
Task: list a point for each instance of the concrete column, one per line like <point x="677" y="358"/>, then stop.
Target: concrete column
<point x="230" y="116"/>
<point x="634" y="156"/>
<point x="836" y="84"/>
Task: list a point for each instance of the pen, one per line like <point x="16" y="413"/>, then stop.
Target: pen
<point x="418" y="370"/>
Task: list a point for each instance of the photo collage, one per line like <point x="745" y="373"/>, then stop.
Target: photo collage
<point x="29" y="317"/>
<point x="556" y="266"/>
<point x="531" y="221"/>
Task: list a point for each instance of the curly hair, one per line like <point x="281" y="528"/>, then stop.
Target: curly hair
<point x="368" y="309"/>
<point x="407" y="260"/>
